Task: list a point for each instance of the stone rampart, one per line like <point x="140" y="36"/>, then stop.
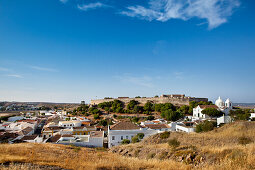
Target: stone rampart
<point x="156" y="100"/>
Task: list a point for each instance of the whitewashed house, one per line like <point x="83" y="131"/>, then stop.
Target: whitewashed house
<point x="15" y="118"/>
<point x="197" y="112"/>
<point x="32" y="139"/>
<point x="126" y="130"/>
<point x="94" y="139"/>
<point x="224" y="119"/>
<point x="69" y="124"/>
<point x="187" y="127"/>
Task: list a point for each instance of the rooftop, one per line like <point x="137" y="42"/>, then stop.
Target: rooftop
<point x="157" y="126"/>
<point x="124" y="125"/>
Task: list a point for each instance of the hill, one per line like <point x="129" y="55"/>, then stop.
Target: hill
<point x="218" y="149"/>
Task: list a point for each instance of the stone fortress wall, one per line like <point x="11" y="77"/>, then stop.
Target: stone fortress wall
<point x="175" y="99"/>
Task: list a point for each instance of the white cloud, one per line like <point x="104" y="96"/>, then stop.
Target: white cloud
<point x="215" y="12"/>
<point x="43" y="69"/>
<point x="63" y="1"/>
<point x="86" y="7"/>
<point x="144" y="81"/>
<point x="15" y="75"/>
<point x="4" y="69"/>
<point x="178" y="75"/>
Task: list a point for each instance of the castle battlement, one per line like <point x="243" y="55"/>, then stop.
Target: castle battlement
<point x="175" y="99"/>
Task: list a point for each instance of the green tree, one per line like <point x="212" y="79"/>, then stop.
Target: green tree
<point x="150" y="117"/>
<point x="148" y="106"/>
<point x="212" y="112"/>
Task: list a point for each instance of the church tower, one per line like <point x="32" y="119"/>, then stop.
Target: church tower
<point x="228" y="104"/>
<point x="219" y="102"/>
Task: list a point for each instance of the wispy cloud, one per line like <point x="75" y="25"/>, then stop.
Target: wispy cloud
<point x="63" y="1"/>
<point x="15" y="75"/>
<point x="144" y="81"/>
<point x="215" y="12"/>
<point x="178" y="75"/>
<point x="86" y="7"/>
<point x="43" y="69"/>
<point x="4" y="69"/>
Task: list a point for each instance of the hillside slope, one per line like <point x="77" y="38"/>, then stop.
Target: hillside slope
<point x="218" y="149"/>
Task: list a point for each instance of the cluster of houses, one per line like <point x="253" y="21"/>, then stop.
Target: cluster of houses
<point x="60" y="128"/>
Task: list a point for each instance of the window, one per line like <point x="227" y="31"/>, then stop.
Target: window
<point x="126" y="137"/>
<point x="132" y="137"/>
<point x="113" y="137"/>
<point x="121" y="137"/>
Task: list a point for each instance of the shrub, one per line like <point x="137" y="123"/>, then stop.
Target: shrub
<point x="205" y="126"/>
<point x="163" y="155"/>
<point x="164" y="135"/>
<point x="244" y="140"/>
<point x="173" y="143"/>
<point x="96" y="116"/>
<point x="150" y="117"/>
<point x="135" y="139"/>
<point x="140" y="135"/>
<point x="151" y="155"/>
<point x="125" y="141"/>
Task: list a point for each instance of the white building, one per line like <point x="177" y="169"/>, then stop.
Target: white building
<point x="185" y="127"/>
<point x="126" y="130"/>
<point x="69" y="124"/>
<point x="224" y="106"/>
<point x="224" y="119"/>
<point x="32" y="139"/>
<point x="15" y="118"/>
<point x="94" y="139"/>
<point x="197" y="112"/>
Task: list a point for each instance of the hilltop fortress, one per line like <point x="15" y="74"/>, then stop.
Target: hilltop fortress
<point x="176" y="99"/>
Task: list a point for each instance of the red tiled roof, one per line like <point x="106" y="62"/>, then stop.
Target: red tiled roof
<point x="96" y="134"/>
<point x="208" y="106"/>
<point x="157" y="126"/>
<point x="124" y="125"/>
<point x="67" y="135"/>
<point x="29" y="137"/>
<point x="54" y="139"/>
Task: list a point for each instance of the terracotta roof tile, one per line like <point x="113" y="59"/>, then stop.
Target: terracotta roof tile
<point x="124" y="125"/>
<point x="157" y="126"/>
<point x="29" y="137"/>
<point x="208" y="106"/>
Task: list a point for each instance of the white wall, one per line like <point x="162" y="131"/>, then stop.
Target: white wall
<point x="119" y="135"/>
<point x="181" y="128"/>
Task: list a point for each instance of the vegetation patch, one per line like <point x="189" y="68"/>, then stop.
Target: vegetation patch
<point x="164" y="135"/>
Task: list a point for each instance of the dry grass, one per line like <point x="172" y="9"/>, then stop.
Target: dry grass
<point x="67" y="157"/>
<point x="220" y="150"/>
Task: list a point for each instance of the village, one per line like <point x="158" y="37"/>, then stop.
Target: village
<point x="106" y="128"/>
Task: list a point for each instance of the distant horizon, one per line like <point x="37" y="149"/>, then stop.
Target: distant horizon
<point x="87" y="102"/>
<point x="74" y="50"/>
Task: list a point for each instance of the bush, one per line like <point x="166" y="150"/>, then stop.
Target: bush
<point x="150" y="117"/>
<point x="205" y="126"/>
<point x="135" y="139"/>
<point x="140" y="135"/>
<point x="164" y="135"/>
<point x="151" y="155"/>
<point x="244" y="140"/>
<point x="125" y="141"/>
<point x="96" y="116"/>
<point x="173" y="143"/>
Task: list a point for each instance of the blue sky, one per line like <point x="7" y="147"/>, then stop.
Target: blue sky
<point x="73" y="50"/>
